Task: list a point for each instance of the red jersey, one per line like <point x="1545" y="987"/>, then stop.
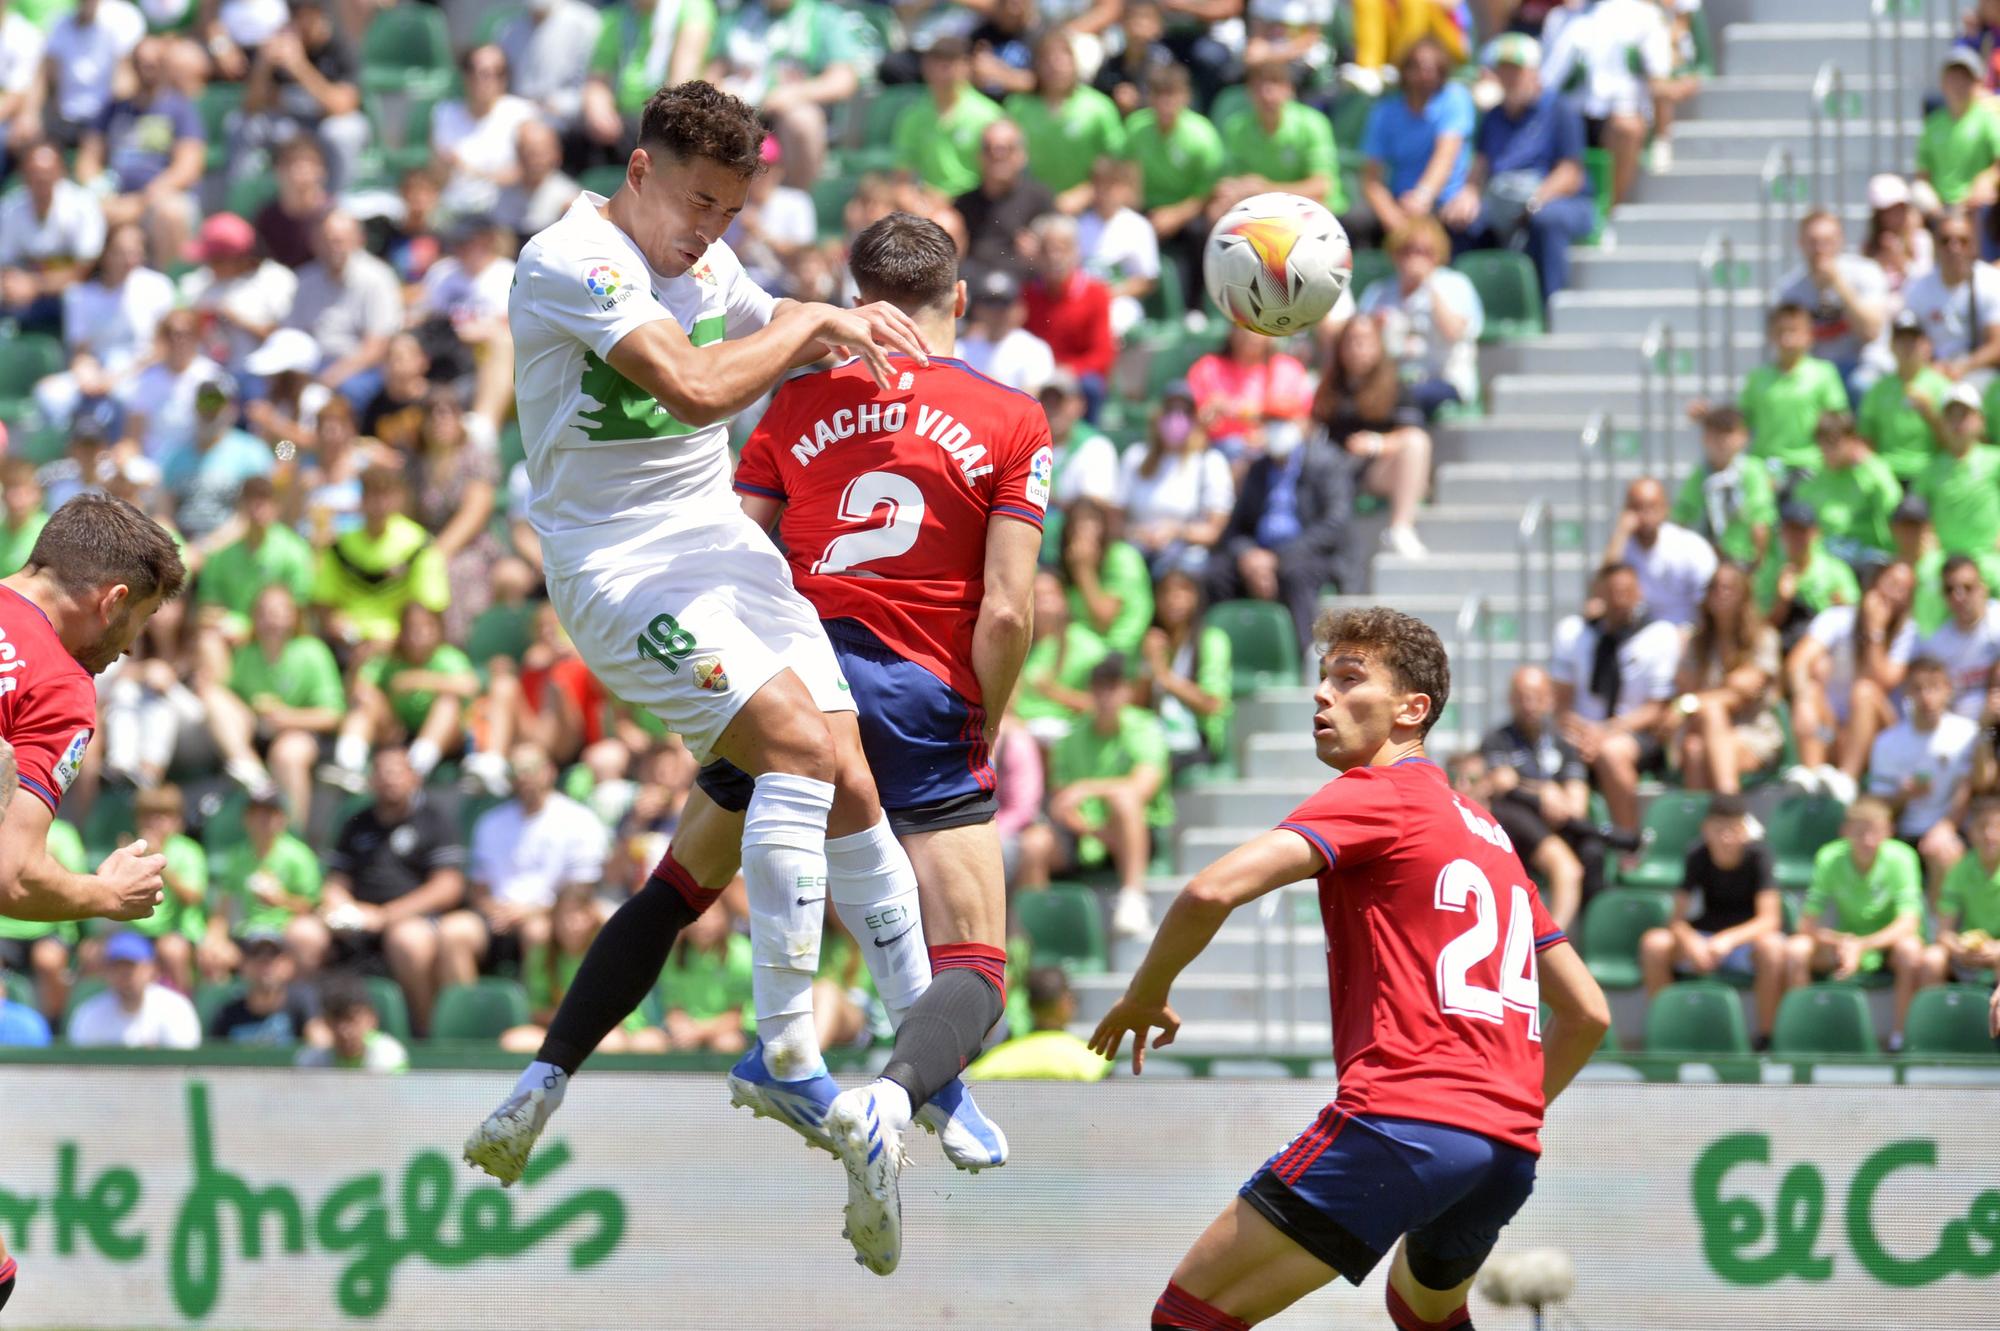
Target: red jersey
<point x="887" y="496"/>
<point x="1432" y="930"/>
<point x="48" y="702"/>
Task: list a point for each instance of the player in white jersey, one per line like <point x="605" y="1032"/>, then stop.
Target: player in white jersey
<point x="637" y="337"/>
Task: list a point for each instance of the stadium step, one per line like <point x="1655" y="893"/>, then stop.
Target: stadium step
<point x="1202" y="996"/>
<point x="1526" y="436"/>
<point x="1750" y="95"/>
<point x="1520" y="484"/>
<point x="1517" y="434"/>
<point x="1396" y="575"/>
<point x="1245" y="803"/>
<point x="1632" y="311"/>
<point x="1750" y="138"/>
<point x="1801" y="48"/>
<point x="1574" y="395"/>
<point x="1643" y="267"/>
<point x="1672" y="223"/>
<point x="1741" y="181"/>
<point x="1287" y="757"/>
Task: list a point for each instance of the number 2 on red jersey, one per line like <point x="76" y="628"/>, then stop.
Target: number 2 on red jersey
<point x="1462" y="887"/>
<point x="864" y="494"/>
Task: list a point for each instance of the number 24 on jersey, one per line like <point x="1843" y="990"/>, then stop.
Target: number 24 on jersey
<point x="1463" y="887"/>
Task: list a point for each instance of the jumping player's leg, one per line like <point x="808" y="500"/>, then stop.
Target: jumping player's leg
<point x="1242" y="1270"/>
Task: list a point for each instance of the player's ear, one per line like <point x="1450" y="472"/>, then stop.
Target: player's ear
<point x="959" y="302"/>
<point x="110" y="598"/>
<point x="1414" y="710"/>
<point x="639" y="166"/>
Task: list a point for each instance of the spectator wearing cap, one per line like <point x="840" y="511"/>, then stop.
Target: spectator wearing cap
<point x="1109" y="797"/>
<point x="475" y="138"/>
<point x="1894" y="220"/>
<point x="1962" y="483"/>
<point x="1674" y="564"/>
<point x="1068" y="125"/>
<point x="1624" y="50"/>
<point x="274" y="1010"/>
<point x="1175" y="492"/>
<point x="1363" y="406"/>
<point x="1783" y="400"/>
<point x="792" y="59"/>
<point x="1118" y="244"/>
<point x="1968" y="643"/>
<point x="303" y="82"/>
<point x="22" y="514"/>
<point x="1959" y="302"/>
<point x="1069" y="309"/>
<point x="542" y="192"/>
<point x="1848" y="298"/>
<point x="151" y="147"/>
<point x="352" y="304"/>
<point x="1417" y="148"/>
<point x="996" y="344"/>
<point x="1527" y="176"/>
<point x="548" y="45"/>
<point x="1047" y="1052"/>
<point x="1727" y="498"/>
<point x="1917" y="545"/>
<point x="1613" y="677"/>
<point x="51" y="230"/>
<point x="356" y="1041"/>
<point x="1288" y="533"/>
<point x="292" y="401"/>
<point x="134" y="1011"/>
<point x="159" y="401"/>
<point x="1854" y="492"/>
<point x="1800" y="577"/>
<point x="1277" y="144"/>
<point x="939" y="139"/>
<point x="1248" y="391"/>
<point x="1126" y="76"/>
<point x="272" y="702"/>
<point x="997" y="214"/>
<point x="1898" y="415"/>
<point x="1958" y="150"/>
<point x="288" y="226"/>
<point x="1430" y="315"/>
<point x="1728" y="915"/>
<point x="244" y="296"/>
<point x="83" y="56"/>
<point x="203" y="475"/>
<point x="109" y="319"/>
<point x="642" y="46"/>
<point x="1180" y="157"/>
<point x="89" y="462"/>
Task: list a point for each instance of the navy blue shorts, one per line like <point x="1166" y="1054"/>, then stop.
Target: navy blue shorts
<point x="925" y="743"/>
<point x="1349" y="1186"/>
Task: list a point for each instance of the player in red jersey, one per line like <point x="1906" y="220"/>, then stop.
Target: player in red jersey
<point x="99" y="570"/>
<point x="1439" y="957"/>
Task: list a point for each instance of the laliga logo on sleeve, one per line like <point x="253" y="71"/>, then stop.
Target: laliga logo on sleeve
<point x="607" y="284"/>
<point x="71" y="762"/>
<point x="1041" y="470"/>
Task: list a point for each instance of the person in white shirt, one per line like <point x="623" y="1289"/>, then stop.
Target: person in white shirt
<point x="1673" y="563"/>
<point x="51" y="229"/>
<point x="1175" y="492"/>
<point x="1118" y="244"/>
<point x="548" y="47"/>
<point x="1943" y="298"/>
<point x="995" y="343"/>
<point x="1923" y="766"/>
<point x="352" y="304"/>
<point x="159" y="402"/>
<point x="134" y="1012"/>
<point x="80" y="63"/>
<point x="1849" y="299"/>
<point x="536" y="200"/>
<point x="109" y="319"/>
<point x="21" y="44"/>
<point x="245" y="296"/>
<point x="523" y="854"/>
<point x="1430" y="316"/>
<point x="1086" y="465"/>
<point x="1626" y="51"/>
<point x="1969" y="642"/>
<point x="471" y="284"/>
<point x="1613" y="678"/>
<point x="475" y="139"/>
<point x="779" y="226"/>
<point x="1844" y="676"/>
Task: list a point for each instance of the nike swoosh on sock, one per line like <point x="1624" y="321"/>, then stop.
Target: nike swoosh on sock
<point x="884" y="942"/>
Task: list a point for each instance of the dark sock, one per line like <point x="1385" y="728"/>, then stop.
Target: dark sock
<point x="1178" y="1310"/>
<point x="624" y="962"/>
<point x="943" y="1031"/>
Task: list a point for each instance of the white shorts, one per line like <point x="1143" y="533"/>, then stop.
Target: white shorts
<point x="690" y="625"/>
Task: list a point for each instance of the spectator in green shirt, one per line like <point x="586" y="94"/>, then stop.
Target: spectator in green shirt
<point x="643" y="45"/>
<point x="1799" y="579"/>
<point x="1968" y="943"/>
<point x="1278" y="144"/>
<point x="1728" y="497"/>
<point x="359" y="1044"/>
<point x="705" y="988"/>
<point x="1068" y="125"/>
<point x="1962" y="483"/>
<point x="939" y="138"/>
<point x="273" y="700"/>
<point x="1898" y="414"/>
<point x="1854" y="493"/>
<point x="1055" y="677"/>
<point x="1110" y="588"/>
<point x="268" y="552"/>
<point x="414" y="694"/>
<point x="268" y="883"/>
<point x="1959" y="146"/>
<point x="24" y="517"/>
<point x="1871" y="889"/>
<point x="1048" y="1052"/>
<point x="1917" y="545"/>
<point x="1783" y="401"/>
<point x="1109" y="778"/>
<point x="369" y="574"/>
<point x="1180" y="159"/>
<point x="1185" y="672"/>
<point x="159" y="818"/>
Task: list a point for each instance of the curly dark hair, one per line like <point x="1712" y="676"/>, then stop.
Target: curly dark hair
<point x="1408" y="646"/>
<point x="697" y="119"/>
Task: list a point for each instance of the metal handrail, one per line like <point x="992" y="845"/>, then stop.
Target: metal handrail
<point x="1829" y="84"/>
<point x="1593" y="448"/>
<point x="1475" y="618"/>
<point x="1537" y="525"/>
<point x="1718" y="256"/>
<point x="1778" y="165"/>
<point x="1657" y="434"/>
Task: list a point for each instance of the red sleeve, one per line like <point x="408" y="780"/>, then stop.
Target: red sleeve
<point x="757" y="471"/>
<point x="1021" y="487"/>
<point x="1353" y="819"/>
<point x="50" y="728"/>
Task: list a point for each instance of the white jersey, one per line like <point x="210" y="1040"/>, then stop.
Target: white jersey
<point x="608" y="464"/>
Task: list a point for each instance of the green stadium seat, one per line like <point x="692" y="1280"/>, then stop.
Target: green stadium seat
<point x="19" y="989"/>
<point x="224" y="828"/>
<point x="830" y="194"/>
<point x="1948" y="1019"/>
<point x="1065" y="927"/>
<point x="1172" y="356"/>
<point x="603" y="180"/>
<point x="1264" y="643"/>
<point x="493" y="20"/>
<point x="1370" y="267"/>
<point x="1613" y="923"/>
<point x="218" y="101"/>
<point x="392" y="1009"/>
<point x="210" y="999"/>
<point x="1696" y="1017"/>
<point x="407" y="49"/>
<point x="473" y="807"/>
<point x="1350" y="121"/>
<point x="1509" y="290"/>
<point x="1798" y="827"/>
<point x="884" y="108"/>
<point x="1675" y="821"/>
<point x="109" y="823"/>
<point x="501" y="630"/>
<point x="247" y="197"/>
<point x="1823" y="1019"/>
<point x="481" y="1010"/>
<point x="1166" y="303"/>
<point x="30" y="358"/>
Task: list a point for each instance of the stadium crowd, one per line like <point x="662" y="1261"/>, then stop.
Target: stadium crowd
<point x="254" y="257"/>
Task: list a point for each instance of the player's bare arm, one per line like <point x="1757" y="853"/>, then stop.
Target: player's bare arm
<point x="1578" y="1016"/>
<point x="1260" y="865"/>
<point x="887" y="322"/>
<point x="127" y="886"/>
<point x="1006" y="627"/>
<point x="10" y="776"/>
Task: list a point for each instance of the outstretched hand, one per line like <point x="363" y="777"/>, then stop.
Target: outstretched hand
<point x="1130" y="1014"/>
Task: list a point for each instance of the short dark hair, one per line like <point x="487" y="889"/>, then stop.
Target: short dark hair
<point x="256" y="489"/>
<point x="383" y="480"/>
<point x="697" y="119"/>
<point x="1833" y="427"/>
<point x="1168" y="78"/>
<point x="1785" y="309"/>
<point x="909" y="261"/>
<point x="1722" y="420"/>
<point x="1953" y="564"/>
<point x="1613" y="567"/>
<point x="1926" y="665"/>
<point x="1405" y="644"/>
<point x="341" y="993"/>
<point x="1047" y="986"/>
<point x="96" y="540"/>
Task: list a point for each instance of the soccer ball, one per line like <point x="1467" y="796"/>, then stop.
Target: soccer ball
<point x="1276" y="263"/>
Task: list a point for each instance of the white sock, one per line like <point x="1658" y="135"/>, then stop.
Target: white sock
<point x="544" y="1077"/>
<point x="893" y="1102"/>
<point x="424" y="757"/>
<point x="351" y="752"/>
<point x="784" y="870"/>
<point x="874" y="891"/>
